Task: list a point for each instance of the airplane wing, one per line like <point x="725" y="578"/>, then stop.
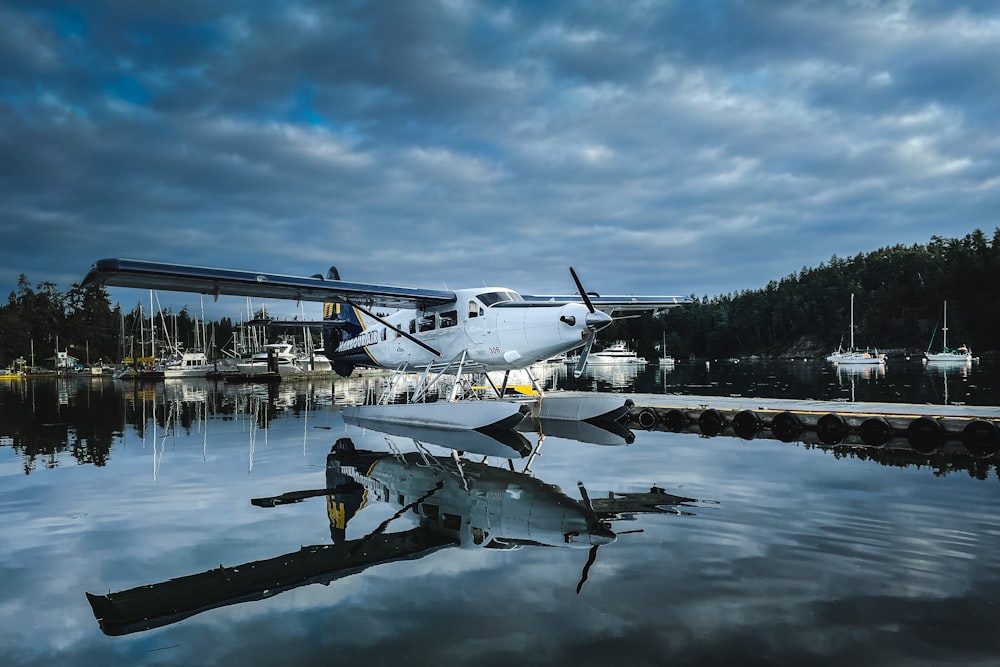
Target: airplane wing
<point x="160" y="604"/>
<point x="204" y="280"/>
<point x="612" y="304"/>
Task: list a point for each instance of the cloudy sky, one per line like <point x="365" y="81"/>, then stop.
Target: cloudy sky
<point x="658" y="147"/>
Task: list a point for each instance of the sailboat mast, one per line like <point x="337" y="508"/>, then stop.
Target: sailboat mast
<point x="944" y="329"/>
<point x="852" y="322"/>
<point x="152" y="326"/>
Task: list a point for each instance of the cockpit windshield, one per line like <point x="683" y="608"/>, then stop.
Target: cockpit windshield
<point x="490" y="298"/>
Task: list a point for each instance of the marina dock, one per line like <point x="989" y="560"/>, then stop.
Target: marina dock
<point x="925" y="428"/>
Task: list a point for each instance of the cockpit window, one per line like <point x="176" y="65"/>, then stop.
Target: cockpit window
<point x="490" y="298"/>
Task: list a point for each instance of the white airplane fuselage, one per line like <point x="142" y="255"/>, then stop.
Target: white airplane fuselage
<point x="493" y="327"/>
<point x="476" y="503"/>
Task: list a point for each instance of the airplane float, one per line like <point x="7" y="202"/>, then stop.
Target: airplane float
<point x="474" y="330"/>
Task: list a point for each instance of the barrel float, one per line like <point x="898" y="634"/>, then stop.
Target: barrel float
<point x="711" y="422"/>
<point x="676" y="420"/>
<point x="925" y="434"/>
<point x="647" y="418"/>
<point x="876" y="431"/>
<point x="831" y="429"/>
<point x="981" y="438"/>
<point x="746" y="424"/>
<point x="786" y="426"/>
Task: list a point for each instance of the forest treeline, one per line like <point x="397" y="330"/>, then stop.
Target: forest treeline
<point x="899" y="293"/>
<point x="37" y="321"/>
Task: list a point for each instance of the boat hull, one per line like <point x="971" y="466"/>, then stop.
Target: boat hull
<point x="262" y="369"/>
<point x="858" y="361"/>
<point x="947" y="357"/>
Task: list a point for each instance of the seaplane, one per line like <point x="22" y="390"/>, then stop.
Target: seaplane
<point x="434" y="333"/>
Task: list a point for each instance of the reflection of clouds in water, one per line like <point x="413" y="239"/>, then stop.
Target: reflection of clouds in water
<point x="805" y="556"/>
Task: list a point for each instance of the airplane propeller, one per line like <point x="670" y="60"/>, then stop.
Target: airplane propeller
<point x="596" y="321"/>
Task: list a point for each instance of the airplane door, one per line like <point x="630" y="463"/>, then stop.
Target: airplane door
<point x="475" y="323"/>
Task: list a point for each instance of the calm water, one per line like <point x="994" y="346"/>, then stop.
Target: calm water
<point x="775" y="554"/>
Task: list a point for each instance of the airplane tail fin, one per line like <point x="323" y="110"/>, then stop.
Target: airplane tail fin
<point x="344" y="464"/>
<point x="348" y="325"/>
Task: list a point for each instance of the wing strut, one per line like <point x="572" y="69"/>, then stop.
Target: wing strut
<point x="402" y="333"/>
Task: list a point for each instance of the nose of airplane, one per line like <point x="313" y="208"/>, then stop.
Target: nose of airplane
<point x="602" y="535"/>
<point x="597" y="320"/>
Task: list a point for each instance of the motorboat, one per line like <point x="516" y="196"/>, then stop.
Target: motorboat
<point x="616" y="353"/>
<point x="280" y="358"/>
<point x="184" y="365"/>
<point x="313" y="362"/>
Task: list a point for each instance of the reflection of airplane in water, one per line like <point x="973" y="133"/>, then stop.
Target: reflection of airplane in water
<point x="454" y="501"/>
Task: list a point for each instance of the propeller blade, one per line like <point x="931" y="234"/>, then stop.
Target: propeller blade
<point x="402" y="333"/>
<point x="583" y="292"/>
<point x="581" y="363"/>
<point x="591" y="557"/>
<point x="585" y="496"/>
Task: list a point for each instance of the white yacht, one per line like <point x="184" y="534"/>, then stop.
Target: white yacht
<point x="313" y="362"/>
<point x="185" y="365"/>
<point x="283" y="354"/>
<point x="616" y="353"/>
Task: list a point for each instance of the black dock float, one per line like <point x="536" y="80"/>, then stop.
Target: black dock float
<point x="925" y="428"/>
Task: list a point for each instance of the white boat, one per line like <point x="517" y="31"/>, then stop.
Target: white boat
<point x="665" y="359"/>
<point x="315" y="362"/>
<point x="961" y="355"/>
<point x="852" y="355"/>
<point x="184" y="365"/>
<point x="616" y="353"/>
<point x="277" y="357"/>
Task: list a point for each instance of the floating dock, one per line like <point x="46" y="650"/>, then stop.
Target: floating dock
<point x="925" y="428"/>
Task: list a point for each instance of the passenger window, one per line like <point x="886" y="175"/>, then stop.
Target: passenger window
<point x="413" y="326"/>
<point x="449" y="319"/>
<point x="426" y="323"/>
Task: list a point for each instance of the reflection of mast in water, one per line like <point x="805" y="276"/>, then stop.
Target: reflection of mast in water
<point x="852" y="372"/>
<point x="959" y="368"/>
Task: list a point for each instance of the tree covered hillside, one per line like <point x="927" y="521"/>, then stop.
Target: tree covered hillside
<point x="899" y="295"/>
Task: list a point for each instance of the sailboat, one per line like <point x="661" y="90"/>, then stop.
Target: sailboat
<point x="853" y="356"/>
<point x="665" y="359"/>
<point x="962" y="355"/>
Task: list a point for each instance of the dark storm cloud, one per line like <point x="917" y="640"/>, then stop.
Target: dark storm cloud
<point x="658" y="147"/>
